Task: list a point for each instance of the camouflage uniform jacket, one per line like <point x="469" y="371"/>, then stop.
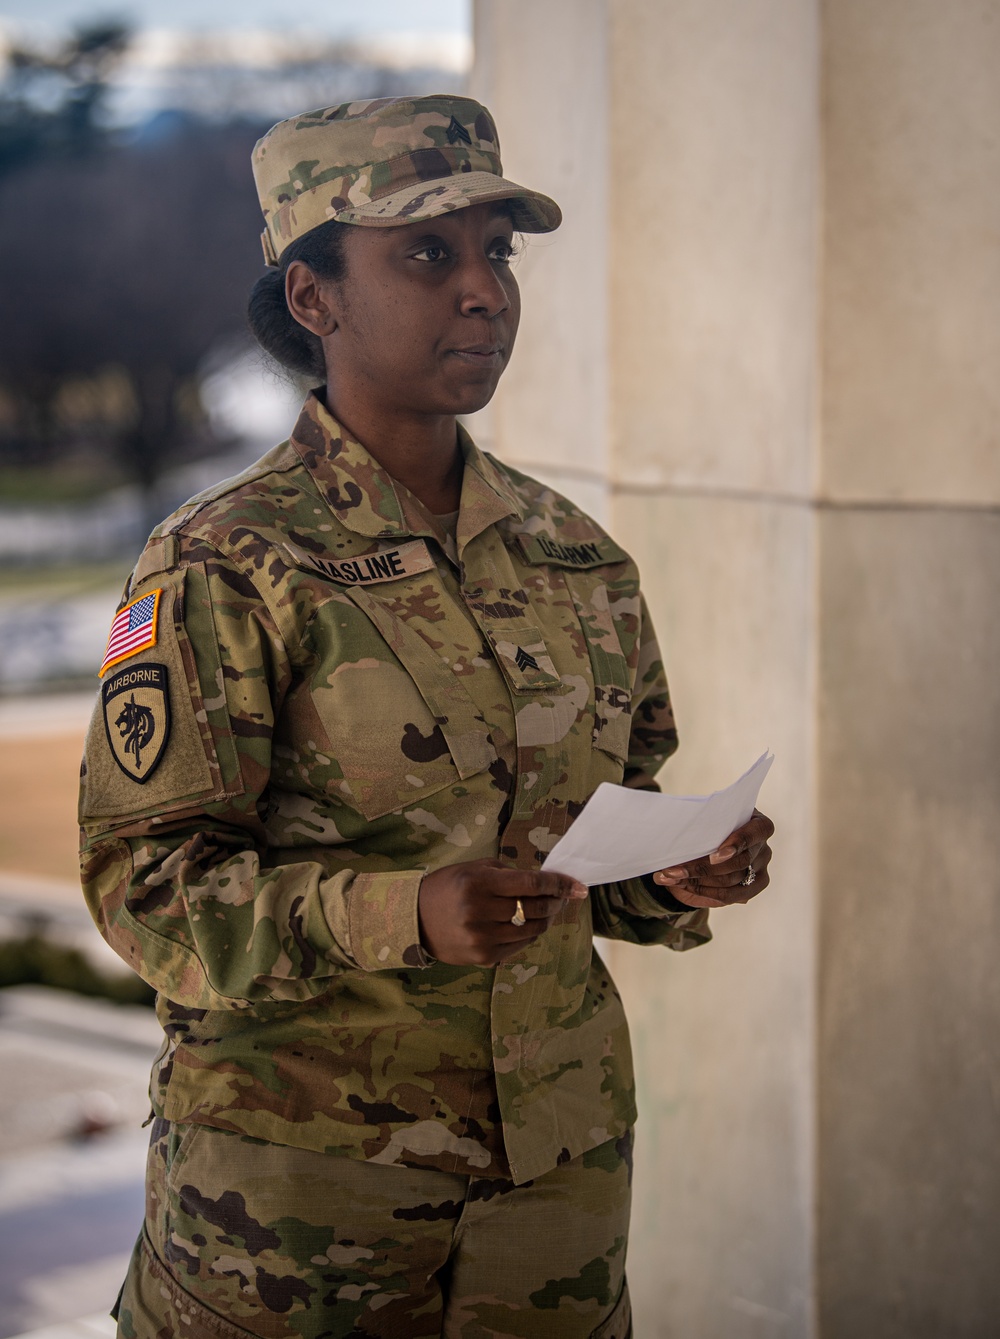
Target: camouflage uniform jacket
<point x="341" y="696"/>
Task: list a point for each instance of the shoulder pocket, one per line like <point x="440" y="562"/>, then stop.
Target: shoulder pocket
<point x="151" y="748"/>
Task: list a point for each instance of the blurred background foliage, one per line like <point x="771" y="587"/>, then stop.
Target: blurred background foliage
<point x="36" y="960"/>
<point x="125" y="259"/>
<point x="128" y="248"/>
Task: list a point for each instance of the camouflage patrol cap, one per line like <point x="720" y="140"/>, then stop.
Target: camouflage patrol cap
<point x="383" y="163"/>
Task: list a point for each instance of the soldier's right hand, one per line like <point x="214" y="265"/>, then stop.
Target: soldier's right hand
<point x="467" y="911"/>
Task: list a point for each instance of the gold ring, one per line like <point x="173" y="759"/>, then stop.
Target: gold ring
<point x="518" y="917"/>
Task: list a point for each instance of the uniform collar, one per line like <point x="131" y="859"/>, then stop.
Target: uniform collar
<point x="366" y="499"/>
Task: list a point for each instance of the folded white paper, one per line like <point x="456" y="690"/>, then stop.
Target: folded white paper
<point x="623" y="833"/>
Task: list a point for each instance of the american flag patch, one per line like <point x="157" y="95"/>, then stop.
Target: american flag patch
<point x="133" y="630"/>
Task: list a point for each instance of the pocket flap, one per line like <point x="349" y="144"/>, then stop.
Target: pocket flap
<point x="461" y="724"/>
<point x="522" y="655"/>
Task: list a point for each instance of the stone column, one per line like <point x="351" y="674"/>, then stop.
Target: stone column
<point x="909" y="689"/>
<point x="763" y="351"/>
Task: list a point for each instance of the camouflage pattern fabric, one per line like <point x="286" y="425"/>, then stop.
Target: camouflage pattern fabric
<point x="382" y="163"/>
<point x="247" y="1238"/>
<point x="356" y="697"/>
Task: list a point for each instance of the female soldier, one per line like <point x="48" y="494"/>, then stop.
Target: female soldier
<point x="350" y="700"/>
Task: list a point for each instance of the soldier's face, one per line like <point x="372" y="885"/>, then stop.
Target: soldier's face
<point x="425" y="320"/>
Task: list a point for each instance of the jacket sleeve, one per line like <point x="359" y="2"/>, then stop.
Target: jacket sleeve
<point x="631" y="910"/>
<point x="173" y="814"/>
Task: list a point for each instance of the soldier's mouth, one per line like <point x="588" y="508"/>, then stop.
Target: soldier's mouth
<point x="480" y="355"/>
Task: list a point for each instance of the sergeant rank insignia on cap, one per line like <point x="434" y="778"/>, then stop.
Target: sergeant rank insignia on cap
<point x="133" y="630"/>
<point x="457" y="133"/>
<point x="136" y="706"/>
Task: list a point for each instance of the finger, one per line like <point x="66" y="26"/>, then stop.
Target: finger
<point x="720" y="881"/>
<point x="755" y="832"/>
<point x="742" y="856"/>
<point x="673" y="875"/>
<point x="500" y="909"/>
<point x="694" y="899"/>
<point x="745" y="893"/>
<point x="526" y="883"/>
<point x="757" y="858"/>
<point x="740" y="848"/>
<point x="701" y="895"/>
<point x="710" y="866"/>
<point x="694" y="871"/>
<point x="700" y="871"/>
<point x="735" y="872"/>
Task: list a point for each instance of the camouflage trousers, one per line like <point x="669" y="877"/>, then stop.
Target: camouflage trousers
<point x="244" y="1237"/>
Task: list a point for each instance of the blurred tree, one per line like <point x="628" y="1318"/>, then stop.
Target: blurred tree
<point x="126" y="257"/>
<point x="135" y="262"/>
<point x="125" y="260"/>
<point x="52" y="102"/>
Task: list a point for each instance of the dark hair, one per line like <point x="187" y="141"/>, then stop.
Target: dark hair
<point x="271" y="323"/>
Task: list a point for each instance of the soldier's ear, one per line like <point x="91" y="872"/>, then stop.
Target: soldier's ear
<point x="307" y="301"/>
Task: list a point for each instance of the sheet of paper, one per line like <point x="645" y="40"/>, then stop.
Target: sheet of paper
<point x="623" y="833"/>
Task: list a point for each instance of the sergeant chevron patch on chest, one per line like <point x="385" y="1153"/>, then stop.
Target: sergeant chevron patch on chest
<point x="367" y="569"/>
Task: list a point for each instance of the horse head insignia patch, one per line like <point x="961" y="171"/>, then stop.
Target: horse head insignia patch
<point x="136" y="705"/>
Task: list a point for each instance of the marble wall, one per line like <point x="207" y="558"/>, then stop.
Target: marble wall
<point x="763" y="351"/>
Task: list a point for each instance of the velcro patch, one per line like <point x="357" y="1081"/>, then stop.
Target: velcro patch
<point x="136" y="705"/>
<point x="368" y="569"/>
<point x="133" y="630"/>
<point x="579" y="553"/>
<point x="524" y="658"/>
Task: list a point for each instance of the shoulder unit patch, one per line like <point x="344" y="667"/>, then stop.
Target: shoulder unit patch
<point x="133" y="630"/>
<point x="136" y="705"/>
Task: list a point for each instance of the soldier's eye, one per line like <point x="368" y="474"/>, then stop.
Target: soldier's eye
<point x="431" y="252"/>
<point x="503" y="251"/>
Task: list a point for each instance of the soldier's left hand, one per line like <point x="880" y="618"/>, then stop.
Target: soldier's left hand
<point x="719" y="879"/>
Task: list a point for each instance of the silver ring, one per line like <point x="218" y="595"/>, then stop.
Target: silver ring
<point x="749" y="877"/>
<point x="518" y="917"/>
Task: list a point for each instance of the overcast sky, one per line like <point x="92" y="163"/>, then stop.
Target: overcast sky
<point x="338" y="18"/>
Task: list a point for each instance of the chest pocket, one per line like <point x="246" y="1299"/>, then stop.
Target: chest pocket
<point x="399" y="726"/>
<point x="581" y="563"/>
<point x="612" y="675"/>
